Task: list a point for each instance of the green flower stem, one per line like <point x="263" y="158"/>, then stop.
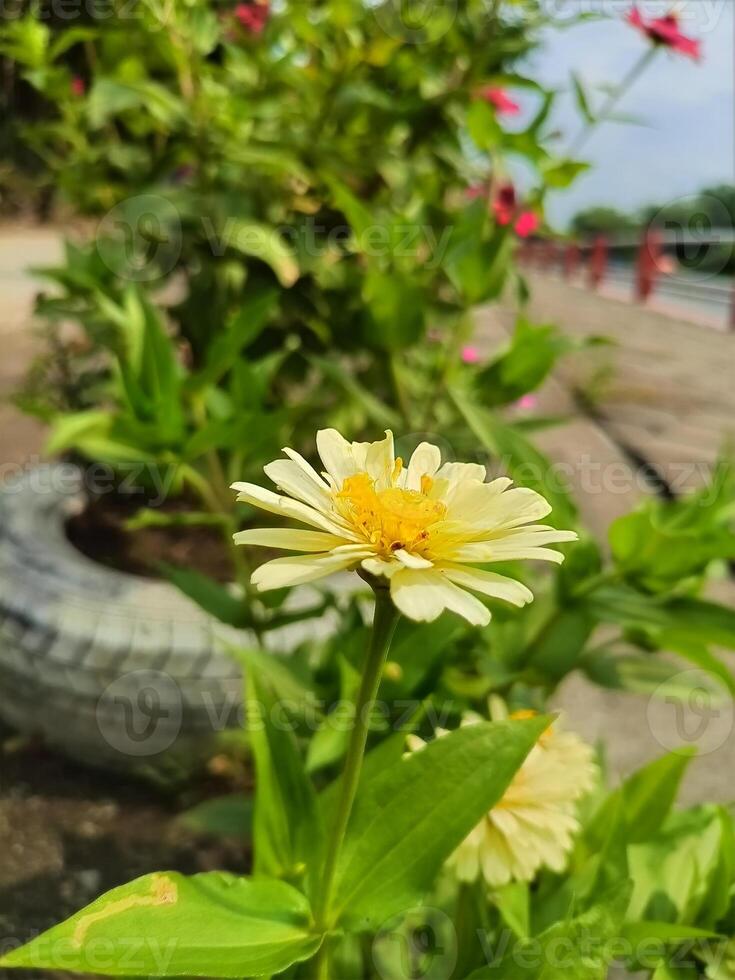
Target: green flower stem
<point x="384" y="623"/>
<point x="612" y="100"/>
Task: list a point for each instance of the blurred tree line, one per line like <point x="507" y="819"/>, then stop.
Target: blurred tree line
<point x="710" y="210"/>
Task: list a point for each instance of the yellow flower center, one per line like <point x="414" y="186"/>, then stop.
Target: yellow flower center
<point x="394" y="518"/>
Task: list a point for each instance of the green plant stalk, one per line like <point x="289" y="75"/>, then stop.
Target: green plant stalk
<point x="384" y="623"/>
<point x="612" y="100"/>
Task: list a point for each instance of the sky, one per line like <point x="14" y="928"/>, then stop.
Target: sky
<point x="688" y="108"/>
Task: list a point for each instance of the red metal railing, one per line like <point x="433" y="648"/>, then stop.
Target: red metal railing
<point x="651" y="263"/>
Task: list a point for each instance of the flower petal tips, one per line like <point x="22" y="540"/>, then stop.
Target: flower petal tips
<point x="422" y="527"/>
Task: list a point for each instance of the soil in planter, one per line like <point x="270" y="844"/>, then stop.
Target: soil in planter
<point x="67" y="834"/>
<point x="100" y="533"/>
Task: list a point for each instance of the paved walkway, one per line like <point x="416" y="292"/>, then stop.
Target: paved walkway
<point x="664" y="393"/>
<point x="20" y="248"/>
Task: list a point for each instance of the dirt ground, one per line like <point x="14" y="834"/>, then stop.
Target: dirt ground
<point x="67" y="834"/>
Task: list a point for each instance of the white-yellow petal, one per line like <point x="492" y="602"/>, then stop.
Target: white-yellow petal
<point x="290" y="539"/>
<point x="290" y="477"/>
<point x="274" y="503"/>
<point x="489" y="584"/>
<point x="380" y="460"/>
<point x="412" y="561"/>
<point x="336" y="455"/>
<point x="425" y="461"/>
<point x="423" y="594"/>
<point x="281" y="573"/>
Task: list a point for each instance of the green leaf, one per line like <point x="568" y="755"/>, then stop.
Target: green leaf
<point x="650" y="793"/>
<point x="530" y="356"/>
<point x="288" y="834"/>
<point x="376" y="410"/>
<point x="558" y="649"/>
<point x="224" y="816"/>
<point x="229" y="343"/>
<point x="519" y="456"/>
<point x="263" y="242"/>
<point x="581" y="98"/>
<point x="483" y="125"/>
<point x="394" y="306"/>
<point x="409" y="818"/>
<point x="680" y="875"/>
<point x="579" y="948"/>
<point x="277" y="673"/>
<point x="513" y="903"/>
<point x="359" y="216"/>
<point x="212" y="597"/>
<point x="476" y="260"/>
<point x="562" y="173"/>
<point x="168" y="925"/>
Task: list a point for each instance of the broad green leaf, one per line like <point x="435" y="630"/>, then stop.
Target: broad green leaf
<point x="394" y="309"/>
<point x="703" y="621"/>
<point x="223" y="816"/>
<point x="476" y="259"/>
<point x="168" y="925"/>
<point x="557" y="650"/>
<point x="677" y="875"/>
<point x="483" y="125"/>
<point x="513" y="901"/>
<point x="579" y="948"/>
<point x="359" y="216"/>
<point x="70" y="429"/>
<point x="264" y="242"/>
<point x="650" y="793"/>
<point x="562" y="173"/>
<point x="229" y="343"/>
<point x="376" y="410"/>
<point x="288" y="834"/>
<point x="409" y="818"/>
<point x="530" y="355"/>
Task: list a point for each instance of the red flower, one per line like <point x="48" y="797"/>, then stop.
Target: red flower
<point x="507" y="209"/>
<point x="253" y="16"/>
<point x="527" y="223"/>
<point x="665" y="31"/>
<point x="499" y="98"/>
<point x="78" y="87"/>
<point x="504" y="205"/>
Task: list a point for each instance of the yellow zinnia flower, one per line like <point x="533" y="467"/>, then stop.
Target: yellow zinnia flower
<point x="422" y="526"/>
<point x="534" y="824"/>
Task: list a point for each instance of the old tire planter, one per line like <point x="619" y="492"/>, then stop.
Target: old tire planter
<point x="113" y="669"/>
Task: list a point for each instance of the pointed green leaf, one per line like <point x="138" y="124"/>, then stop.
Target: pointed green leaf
<point x="168" y="925"/>
<point x="409" y="818"/>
